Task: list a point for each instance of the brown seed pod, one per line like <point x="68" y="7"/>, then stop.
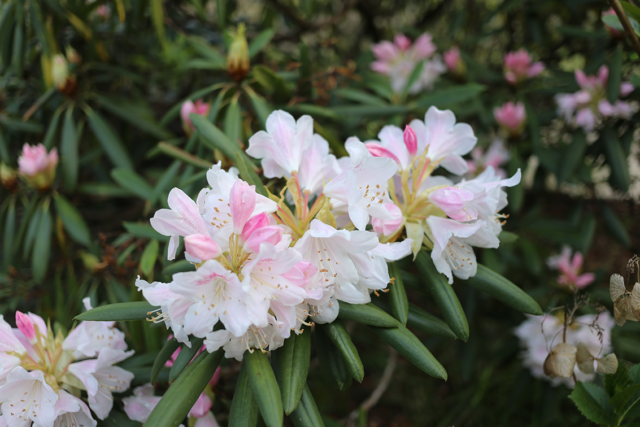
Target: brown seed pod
<point x="561" y="361"/>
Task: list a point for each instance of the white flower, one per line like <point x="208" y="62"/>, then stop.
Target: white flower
<point x="139" y="406"/>
<point x="265" y="339"/>
<point x="317" y="166"/>
<point x="72" y="412"/>
<point x="26" y="396"/>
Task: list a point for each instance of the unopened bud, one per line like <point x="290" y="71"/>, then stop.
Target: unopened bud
<point x="238" y="59"/>
<point x="8" y="177"/>
<point x="410" y="140"/>
<point x="201" y="246"/>
<point x="62" y="78"/>
<point x="73" y="56"/>
<point x="37" y="167"/>
<point x="561" y="361"/>
<point x="24" y="323"/>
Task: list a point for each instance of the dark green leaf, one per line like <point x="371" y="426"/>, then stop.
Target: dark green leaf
<point x="573" y="155"/>
<point x="233" y="122"/>
<point x="307" y="414"/>
<point x="248" y="174"/>
<point x="264" y="387"/>
<point x="444" y="296"/>
<point x="615" y="75"/>
<point x="369" y="110"/>
<point x="182" y="155"/>
<point x="137" y="113"/>
<point x="69" y="151"/>
<point x="631" y="9"/>
<point x="133" y="182"/>
<point x="144" y="231"/>
<point x="9" y="234"/>
<point x="178" y="267"/>
<point x="165" y="354"/>
<point x="620" y="177"/>
<point x="17" y="51"/>
<point x="260" y="41"/>
<point x="118" y="419"/>
<point x="205" y="50"/>
<point x="331" y="360"/>
<point x="165" y="180"/>
<point x="507" y="237"/>
<point x="110" y="141"/>
<point x="413" y="77"/>
<point x="72" y="220"/>
<point x="428" y="323"/>
<point x="621" y="398"/>
<point x="339" y="336"/>
<point x="367" y="314"/>
<point x="118" y="312"/>
<point x="260" y="106"/>
<point x="185" y="356"/>
<point x="361" y="97"/>
<point x="398" y="295"/>
<point x="593" y="402"/>
<point x="292" y="368"/>
<point x="305" y="73"/>
<point x="244" y="408"/>
<point x="214" y="137"/>
<point x="492" y="283"/>
<point x="450" y="96"/>
<point x="184" y="392"/>
<point x="42" y="245"/>
<point x="408" y="345"/>
<point x="149" y="257"/>
<point x="619" y="381"/>
<point x="615" y="226"/>
<point x="19" y="126"/>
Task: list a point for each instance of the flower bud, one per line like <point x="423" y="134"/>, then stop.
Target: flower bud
<point x="62" y="78"/>
<point x="378" y="150"/>
<point x="254" y="224"/>
<point x="201" y="246"/>
<point x="271" y="234"/>
<point x="73" y="56"/>
<point x="560" y="361"/>
<point x="25" y="325"/>
<point x="200" y="108"/>
<point x="37" y="167"/>
<point x="238" y="59"/>
<point x="454" y="62"/>
<point x="511" y="117"/>
<point x="8" y="177"/>
<point x="215" y="378"/>
<point x="386" y="227"/>
<point x="410" y="140"/>
<point x="201" y="407"/>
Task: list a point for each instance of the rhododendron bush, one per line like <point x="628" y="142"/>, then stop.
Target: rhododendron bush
<point x="318" y="213"/>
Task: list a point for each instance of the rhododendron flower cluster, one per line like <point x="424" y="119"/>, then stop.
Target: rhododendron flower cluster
<point x="511" y="117"/>
<point x="267" y="264"/>
<point x="397" y="61"/>
<point x="569" y="269"/>
<point x="587" y="107"/>
<point x="38" y="167"/>
<point x="539" y="334"/>
<point x="43" y="375"/>
<point x="518" y="67"/>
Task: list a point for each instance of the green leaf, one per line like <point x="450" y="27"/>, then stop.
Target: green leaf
<point x="244" y="408"/>
<point x="490" y="282"/>
<point x="118" y="419"/>
<point x="144" y="230"/>
<point x="6" y="25"/>
<point x="182" y="155"/>
<point x="178" y="267"/>
<point x="165" y="180"/>
<point x="408" y="345"/>
<point x="207" y="51"/>
<point x="305" y="89"/>
<point x="369" y="110"/>
<point x="232" y="122"/>
<point x="133" y="182"/>
<point x="413" y="77"/>
<point x="572" y="157"/>
<point x="444" y="296"/>
<point x="367" y="314"/>
<point x="341" y="339"/>
<point x="9" y="235"/>
<point x="307" y="414"/>
<point x="621" y="398"/>
<point x="118" y="312"/>
<point x="593" y="403"/>
<point x="450" y="96"/>
<point x="507" y="237"/>
<point x="103" y="189"/>
<point x="615" y="225"/>
<point x="292" y="368"/>
<point x="215" y="138"/>
<point x="619" y="381"/>
<point x="32" y="230"/>
<point x="260" y="41"/>
<point x="248" y="174"/>
<point x="631" y="9"/>
<point x="613" y="22"/>
<point x="165" y="354"/>
<point x="72" y="220"/>
<point x="314" y="110"/>
<point x="69" y="151"/>
<point x="149" y="257"/>
<point x="137" y="113"/>
<point x="4" y="152"/>
<point x="533" y="126"/>
<point x="428" y="323"/>
<point x="361" y="97"/>
<point x="264" y="387"/>
<point x="185" y="356"/>
<point x="620" y="177"/>
<point x="17" y="60"/>
<point x="37" y="24"/>
<point x="157" y="17"/>
<point x="271" y="82"/>
<point x="42" y="245"/>
<point x="615" y="75"/>
<point x="398" y="295"/>
<point x="19" y="126"/>
<point x="110" y="141"/>
<point x="331" y="360"/>
<point x="184" y="392"/>
<point x="260" y="106"/>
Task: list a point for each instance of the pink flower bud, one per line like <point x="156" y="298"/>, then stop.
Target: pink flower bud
<point x="518" y="66"/>
<point x="511" y="117"/>
<point x="37" y="167"/>
<point x="454" y="62"/>
<point x="410" y="140"/>
<point x="202" y="246"/>
<point x="254" y="224"/>
<point x="201" y="407"/>
<point x="200" y="108"/>
<point x="25" y="325"/>
<point x="452" y="201"/>
<point x="215" y="378"/>
<point x="271" y="234"/>
<point x="403" y="42"/>
<point x="242" y="201"/>
<point x="378" y="150"/>
<point x="386" y="227"/>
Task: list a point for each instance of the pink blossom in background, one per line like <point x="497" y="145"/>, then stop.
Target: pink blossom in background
<point x="189" y="107"/>
<point x="587" y="107"/>
<point x="569" y="269"/>
<point x="511" y="116"/>
<point x="37" y="166"/>
<point x="496" y="155"/>
<point x="103" y="11"/>
<point x="454" y="62"/>
<point x="518" y="66"/>
<point x="398" y="59"/>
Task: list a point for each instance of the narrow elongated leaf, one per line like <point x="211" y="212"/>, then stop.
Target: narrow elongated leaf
<point x="72" y="220"/>
<point x="360" y="97"/>
<point x="139" y="310"/>
<point x="341" y="339"/>
<point x="413" y="77"/>
<point x="367" y="314"/>
<point x="4" y="151"/>
<point x="42" y="245"/>
<point x="331" y="360"/>
<point x="144" y="230"/>
<point x="615" y="226"/>
<point x="32" y="230"/>
<point x="307" y="414"/>
<point x="450" y="96"/>
<point x="292" y="368"/>
<point x="428" y="323"/>
<point x="110" y="141"/>
<point x="6" y="25"/>
<point x="260" y="106"/>
<point x="487" y="280"/>
<point x="118" y="419"/>
<point x="215" y="138"/>
<point x="572" y="156"/>
<point x="184" y="392"/>
<point x="17" y="60"/>
<point x="244" y="408"/>
<point x="408" y="345"/>
<point x="184" y="156"/>
<point x="304" y="71"/>
<point x="50" y="136"/>
<point x="369" y="110"/>
<point x="165" y="354"/>
<point x="248" y="174"/>
<point x="593" y="402"/>
<point x="18" y="125"/>
<point x="260" y="41"/>
<point x="165" y="181"/>
<point x="157" y="17"/>
<point x="620" y="177"/>
<point x="615" y="75"/>
<point x="444" y="296"/>
<point x="133" y="182"/>
<point x="149" y="257"/>
<point x="9" y="234"/>
<point x="264" y="387"/>
<point x="233" y="122"/>
<point x="398" y="295"/>
<point x="136" y="113"/>
<point x="185" y="356"/>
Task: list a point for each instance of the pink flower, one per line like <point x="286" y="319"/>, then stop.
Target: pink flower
<point x="243" y="201"/>
<point x="454" y="62"/>
<point x="570" y="269"/>
<point x="37" y="167"/>
<point x="518" y="66"/>
<point x="511" y="116"/>
<point x="200" y="108"/>
<point x="103" y="11"/>
<point x="201" y="407"/>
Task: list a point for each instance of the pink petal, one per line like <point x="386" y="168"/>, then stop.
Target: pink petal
<point x="242" y="201"/>
<point x="202" y="246"/>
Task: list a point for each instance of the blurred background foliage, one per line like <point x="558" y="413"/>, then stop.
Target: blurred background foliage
<point x="110" y="100"/>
